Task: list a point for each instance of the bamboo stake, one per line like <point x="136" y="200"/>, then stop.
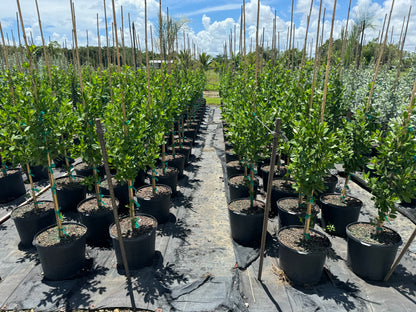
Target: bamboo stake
<point x="290" y="35"/>
<point x="344" y="42"/>
<point x="328" y="65"/>
<point x="161" y="73"/>
<point x="113" y="200"/>
<point x="100" y="57"/>
<point x="305" y="43"/>
<point x="134" y="48"/>
<point x="149" y="101"/>
<point x="240" y="46"/>
<point x="401" y="51"/>
<point x="45" y="54"/>
<point x="315" y="65"/>
<point x="88" y="50"/>
<point x="131" y="41"/>
<point x="122" y="37"/>
<point x="379" y="61"/>
<point x="244" y="35"/>
<point x="108" y="53"/>
<point x="276" y="135"/>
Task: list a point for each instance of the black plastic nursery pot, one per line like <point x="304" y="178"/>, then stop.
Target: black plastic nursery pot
<point x="140" y="250"/>
<point x="239" y="187"/>
<point x="185" y="151"/>
<point x="60" y="161"/>
<point x="61" y="259"/>
<point x="178" y="162"/>
<point x="230" y="156"/>
<point x="97" y="220"/>
<point x="191" y="134"/>
<point x="155" y="204"/>
<point x="70" y="192"/>
<point x="82" y="169"/>
<point x="29" y="221"/>
<point x="140" y="179"/>
<point x="121" y="192"/>
<point x="234" y="168"/>
<point x="338" y="216"/>
<point x="246" y="223"/>
<point x="281" y="188"/>
<point x="170" y="178"/>
<point x="11" y="186"/>
<point x="265" y="174"/>
<point x="38" y="173"/>
<point x="294" y="216"/>
<point x="302" y="266"/>
<point x="371" y="260"/>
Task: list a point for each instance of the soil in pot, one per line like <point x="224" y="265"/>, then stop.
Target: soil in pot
<point x="169" y="178"/>
<point x="82" y="169"/>
<point x="239" y="187"/>
<point x="234" y="168"/>
<point x="61" y="258"/>
<point x="277" y="174"/>
<point x="70" y="192"/>
<point x="302" y="260"/>
<point x="155" y="204"/>
<point x="281" y="188"/>
<point x="246" y="222"/>
<point x="291" y="213"/>
<point x="11" y="185"/>
<point x="139" y="243"/>
<point x="177" y="161"/>
<point x="371" y="255"/>
<point x="337" y="213"/>
<point x="30" y="221"/>
<point x="121" y="192"/>
<point x="97" y="219"/>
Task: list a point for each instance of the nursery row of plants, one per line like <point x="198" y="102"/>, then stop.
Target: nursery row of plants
<point x="323" y="123"/>
<point x="149" y="123"/>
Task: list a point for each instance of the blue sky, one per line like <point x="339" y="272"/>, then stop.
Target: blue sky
<point x="210" y="22"/>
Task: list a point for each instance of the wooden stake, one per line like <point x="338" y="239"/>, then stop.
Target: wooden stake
<point x="108" y="53"/>
<point x="88" y="50"/>
<point x="276" y="135"/>
<point x="379" y="61"/>
<point x="302" y="64"/>
<point x="401" y="51"/>
<point x="100" y="57"/>
<point x="328" y="65"/>
<point x="122" y="37"/>
<point x="315" y="65"/>
<point x="131" y="42"/>
<point x="113" y="199"/>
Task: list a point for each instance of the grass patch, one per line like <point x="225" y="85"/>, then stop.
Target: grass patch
<point x="213" y="101"/>
<point x="213" y="80"/>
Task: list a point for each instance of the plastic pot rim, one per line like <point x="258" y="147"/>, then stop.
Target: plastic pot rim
<point x="350" y="236"/>
<point x="303" y="252"/>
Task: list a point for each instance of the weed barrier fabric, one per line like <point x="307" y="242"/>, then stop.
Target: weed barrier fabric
<point x="193" y="268"/>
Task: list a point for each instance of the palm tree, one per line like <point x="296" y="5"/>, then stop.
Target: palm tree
<point x="205" y="60"/>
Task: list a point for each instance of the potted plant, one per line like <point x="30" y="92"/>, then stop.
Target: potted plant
<point x="339" y="210"/>
<point x="129" y="120"/>
<point x="16" y="118"/>
<point x="372" y="247"/>
<point x="302" y="251"/>
<point x="60" y="247"/>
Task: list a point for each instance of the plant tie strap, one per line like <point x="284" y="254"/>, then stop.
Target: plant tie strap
<point x="311" y="201"/>
<point x="379" y="229"/>
<point x="53" y="188"/>
<point x="60" y="215"/>
<point x="136" y="225"/>
<point x="307" y="216"/>
<point x="34" y="189"/>
<point x="155" y="172"/>
<point x="410" y="129"/>
<point x="268" y="129"/>
<point x="347" y="187"/>
<point x="62" y="230"/>
<point x="135" y="202"/>
<point x="42" y="114"/>
<point x="51" y="168"/>
<point x="127" y="122"/>
<point x="307" y="236"/>
<point x="96" y="169"/>
<point x="414" y="158"/>
<point x="90" y="122"/>
<point x="387" y="219"/>
<point x="133" y="188"/>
